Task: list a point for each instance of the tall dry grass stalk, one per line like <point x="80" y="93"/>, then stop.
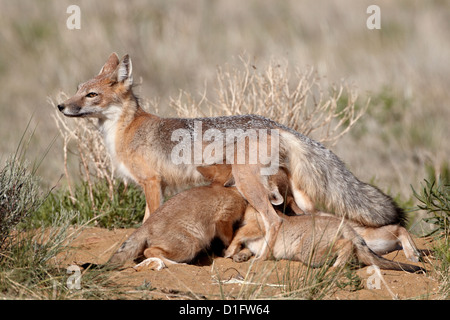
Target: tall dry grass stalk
<point x="298" y="101"/>
<point x="93" y="160"/>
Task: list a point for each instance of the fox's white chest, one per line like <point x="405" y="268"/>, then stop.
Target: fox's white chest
<point x="109" y="130"/>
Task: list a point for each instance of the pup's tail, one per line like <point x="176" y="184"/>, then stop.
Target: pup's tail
<point x="323" y="177"/>
<point x="368" y="257"/>
<point x="131" y="249"/>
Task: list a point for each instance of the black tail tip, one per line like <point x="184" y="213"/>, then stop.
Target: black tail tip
<point x="89" y="265"/>
<point x="95" y="266"/>
<point x="413" y="268"/>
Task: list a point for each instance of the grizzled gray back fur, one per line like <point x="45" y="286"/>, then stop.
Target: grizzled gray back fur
<point x="312" y="167"/>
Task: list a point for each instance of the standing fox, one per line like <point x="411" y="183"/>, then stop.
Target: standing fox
<point x="146" y="149"/>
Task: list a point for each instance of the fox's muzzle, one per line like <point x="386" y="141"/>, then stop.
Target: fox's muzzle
<point x="70" y="110"/>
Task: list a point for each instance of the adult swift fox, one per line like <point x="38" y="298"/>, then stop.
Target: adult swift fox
<point x="142" y="146"/>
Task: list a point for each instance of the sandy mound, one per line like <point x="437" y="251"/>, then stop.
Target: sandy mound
<point x="220" y="278"/>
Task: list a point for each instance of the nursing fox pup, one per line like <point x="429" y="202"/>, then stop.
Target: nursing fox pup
<point x="184" y="225"/>
<point x="142" y="147"/>
<point x="311" y="239"/>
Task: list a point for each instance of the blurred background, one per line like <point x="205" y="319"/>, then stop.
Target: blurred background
<point x="178" y="45"/>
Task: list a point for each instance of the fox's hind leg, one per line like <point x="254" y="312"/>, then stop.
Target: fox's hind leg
<point x="345" y="250"/>
<point x="409" y="247"/>
<point x="152" y="263"/>
<point x="303" y="200"/>
<point x="248" y="181"/>
<point x="224" y="230"/>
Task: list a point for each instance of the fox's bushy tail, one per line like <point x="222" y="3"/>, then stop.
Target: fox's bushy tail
<point x="131" y="249"/>
<point x="320" y="174"/>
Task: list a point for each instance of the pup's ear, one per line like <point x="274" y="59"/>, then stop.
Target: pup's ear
<point x="124" y="72"/>
<point x="209" y="172"/>
<point x="110" y="65"/>
<point x="230" y="182"/>
<point x="220" y="173"/>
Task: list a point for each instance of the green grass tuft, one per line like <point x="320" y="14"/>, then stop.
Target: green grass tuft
<point x="124" y="209"/>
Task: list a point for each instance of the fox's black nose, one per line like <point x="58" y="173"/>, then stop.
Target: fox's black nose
<point x="61" y="107"/>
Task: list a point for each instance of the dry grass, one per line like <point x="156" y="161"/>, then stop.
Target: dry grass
<point x="298" y="101"/>
<point x="93" y="159"/>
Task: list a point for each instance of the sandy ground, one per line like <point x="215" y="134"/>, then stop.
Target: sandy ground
<point x="220" y="278"/>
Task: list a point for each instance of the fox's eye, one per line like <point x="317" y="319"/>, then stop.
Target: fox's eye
<point x="91" y="95"/>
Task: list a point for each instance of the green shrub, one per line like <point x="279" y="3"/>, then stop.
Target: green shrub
<point x="19" y="196"/>
<point x="124" y="209"/>
<point x="434" y="198"/>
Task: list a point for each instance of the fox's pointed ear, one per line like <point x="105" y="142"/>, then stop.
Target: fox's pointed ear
<point x="123" y="72"/>
<point x="111" y="64"/>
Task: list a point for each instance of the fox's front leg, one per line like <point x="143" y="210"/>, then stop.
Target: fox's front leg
<point x="153" y="195"/>
<point x="249" y="183"/>
<point x="235" y="245"/>
<point x="250" y="231"/>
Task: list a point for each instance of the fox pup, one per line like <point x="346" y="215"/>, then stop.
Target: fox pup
<point x="311" y="239"/>
<point x="185" y="224"/>
<point x="381" y="240"/>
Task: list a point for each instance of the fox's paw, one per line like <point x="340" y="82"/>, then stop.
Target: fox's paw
<point x="150" y="264"/>
<point x="413" y="254"/>
<point x="242" y="256"/>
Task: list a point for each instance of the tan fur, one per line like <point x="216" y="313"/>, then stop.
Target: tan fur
<point x="139" y="143"/>
<point x="383" y="240"/>
<point x="311" y="239"/>
<point x="188" y="222"/>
